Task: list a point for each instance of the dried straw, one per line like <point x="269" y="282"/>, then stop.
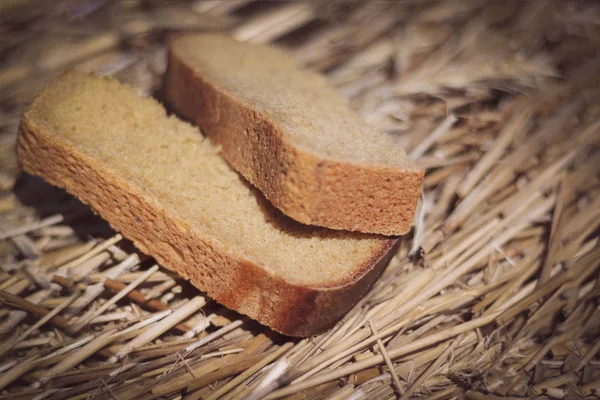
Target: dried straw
<point x="495" y="295"/>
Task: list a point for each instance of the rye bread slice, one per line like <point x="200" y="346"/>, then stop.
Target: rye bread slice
<point x="161" y="184"/>
<point x="288" y="132"/>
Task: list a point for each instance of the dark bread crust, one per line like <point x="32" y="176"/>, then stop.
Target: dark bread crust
<point x="228" y="278"/>
<point x="308" y="188"/>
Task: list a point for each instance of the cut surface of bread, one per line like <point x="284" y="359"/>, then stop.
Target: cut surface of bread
<point x="161" y="184"/>
<point x="292" y="135"/>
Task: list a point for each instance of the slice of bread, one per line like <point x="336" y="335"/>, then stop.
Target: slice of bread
<point x="292" y="135"/>
<point x="159" y="182"/>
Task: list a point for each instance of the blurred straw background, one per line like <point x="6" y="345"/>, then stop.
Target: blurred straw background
<point x="494" y="295"/>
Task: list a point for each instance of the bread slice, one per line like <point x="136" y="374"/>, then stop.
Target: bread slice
<point x="159" y="182"/>
<point x="292" y="135"/>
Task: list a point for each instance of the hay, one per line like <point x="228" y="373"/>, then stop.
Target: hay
<point x="495" y="295"/>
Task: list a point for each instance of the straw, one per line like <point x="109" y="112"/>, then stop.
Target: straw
<point x="492" y="296"/>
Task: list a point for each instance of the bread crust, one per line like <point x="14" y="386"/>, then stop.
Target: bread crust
<point x="225" y="276"/>
<point x="308" y="188"/>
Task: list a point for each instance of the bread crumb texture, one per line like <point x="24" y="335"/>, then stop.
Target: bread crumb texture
<point x="173" y="165"/>
<point x="306" y="107"/>
<point x="292" y="135"/>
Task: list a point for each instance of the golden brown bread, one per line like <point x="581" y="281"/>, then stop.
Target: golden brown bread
<point x="157" y="181"/>
<point x="292" y="135"/>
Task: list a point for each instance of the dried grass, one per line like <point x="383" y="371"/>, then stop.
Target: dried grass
<point x="494" y="296"/>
